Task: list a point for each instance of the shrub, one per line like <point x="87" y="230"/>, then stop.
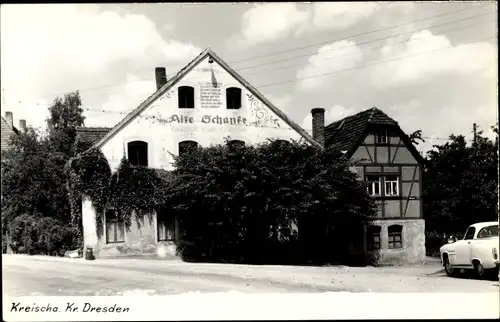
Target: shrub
<point x="234" y="199"/>
<point x="34" y="234"/>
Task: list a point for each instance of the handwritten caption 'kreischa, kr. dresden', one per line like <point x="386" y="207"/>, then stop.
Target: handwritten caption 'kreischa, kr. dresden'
<point x="70" y="308"/>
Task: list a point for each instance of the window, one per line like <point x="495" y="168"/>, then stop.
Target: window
<point x="233" y="98"/>
<point x="281" y="143"/>
<point x="374" y="183"/>
<point x="186" y="97"/>
<point x="382" y="137"/>
<point x="486" y="232"/>
<point x="373" y="234"/>
<point x="236" y="143"/>
<point x="138" y="153"/>
<point x="395" y="236"/>
<point x="391" y="186"/>
<point x="115" y="227"/>
<point x="469" y="234"/>
<point x="166" y="226"/>
<point x="185" y="146"/>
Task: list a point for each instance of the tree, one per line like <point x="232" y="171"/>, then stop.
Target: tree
<point x="244" y="199"/>
<point x="461" y="184"/>
<point x="33" y="177"/>
<point x="34" y="190"/>
<point x="65" y="115"/>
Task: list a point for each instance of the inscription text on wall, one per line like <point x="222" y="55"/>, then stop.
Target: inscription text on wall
<point x="210" y="95"/>
<point x="208" y="119"/>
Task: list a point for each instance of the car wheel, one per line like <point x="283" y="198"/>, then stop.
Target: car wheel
<point x="479" y="268"/>
<point x="450" y="271"/>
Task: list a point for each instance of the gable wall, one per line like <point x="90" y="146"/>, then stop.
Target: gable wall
<point x="393" y="158"/>
<point x="158" y="125"/>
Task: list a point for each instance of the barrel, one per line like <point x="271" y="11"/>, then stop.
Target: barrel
<point x="89" y="254"/>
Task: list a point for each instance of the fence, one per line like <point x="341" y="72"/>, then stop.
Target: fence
<point x="434" y="241"/>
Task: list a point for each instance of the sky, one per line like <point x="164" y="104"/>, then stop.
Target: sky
<point x="431" y="66"/>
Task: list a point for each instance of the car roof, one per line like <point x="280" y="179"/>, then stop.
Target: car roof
<point x="484" y="224"/>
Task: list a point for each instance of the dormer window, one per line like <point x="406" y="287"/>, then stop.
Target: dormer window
<point x="186" y="97"/>
<point x="138" y="153"/>
<point x="233" y="98"/>
<point x="382" y="137"/>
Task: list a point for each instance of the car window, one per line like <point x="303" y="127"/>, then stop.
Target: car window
<point x="489" y="231"/>
<point x="469" y="234"/>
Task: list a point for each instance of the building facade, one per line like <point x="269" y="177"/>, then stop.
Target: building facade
<point x="206" y="103"/>
<point x="386" y="159"/>
<point x="8" y="129"/>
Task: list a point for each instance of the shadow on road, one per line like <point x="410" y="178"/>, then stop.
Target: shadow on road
<point x="470" y="275"/>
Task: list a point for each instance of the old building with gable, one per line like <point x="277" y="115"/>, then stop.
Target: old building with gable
<point x="203" y="104"/>
<point x="388" y="161"/>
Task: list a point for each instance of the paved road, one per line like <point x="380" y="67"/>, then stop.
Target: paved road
<point x="38" y="275"/>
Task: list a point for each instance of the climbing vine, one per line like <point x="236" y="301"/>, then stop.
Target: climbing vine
<point x="135" y="191"/>
<point x="88" y="175"/>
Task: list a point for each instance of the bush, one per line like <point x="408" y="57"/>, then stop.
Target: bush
<point x="34" y="234"/>
<point x="235" y="199"/>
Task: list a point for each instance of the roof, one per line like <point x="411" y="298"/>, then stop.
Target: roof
<point x="91" y="134"/>
<point x="347" y="134"/>
<point x="171" y="82"/>
<point x="87" y="136"/>
<point x="7" y="131"/>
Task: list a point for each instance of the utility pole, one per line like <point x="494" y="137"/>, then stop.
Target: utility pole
<point x="474" y="128"/>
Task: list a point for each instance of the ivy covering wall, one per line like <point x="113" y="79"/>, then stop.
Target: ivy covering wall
<point x="135" y="190"/>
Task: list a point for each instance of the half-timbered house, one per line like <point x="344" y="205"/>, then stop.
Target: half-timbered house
<point x="387" y="160"/>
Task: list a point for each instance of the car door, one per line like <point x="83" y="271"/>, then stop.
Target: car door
<point x="462" y="251"/>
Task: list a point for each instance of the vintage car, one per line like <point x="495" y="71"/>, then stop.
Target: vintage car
<point x="477" y="251"/>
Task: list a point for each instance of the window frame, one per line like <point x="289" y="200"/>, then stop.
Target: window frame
<point x="116" y="223"/>
<point x="392" y="236"/>
<point x="236" y="143"/>
<point x="137" y="145"/>
<point x="471" y="228"/>
<point x="374" y="231"/>
<point x="186" y="93"/>
<point x="231" y="93"/>
<point x="487" y="228"/>
<point x="182" y="150"/>
<point x="372" y="184"/>
<point x="380" y="135"/>
<point x="392" y="182"/>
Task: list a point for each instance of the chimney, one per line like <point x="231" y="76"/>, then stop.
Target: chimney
<point x="161" y="77"/>
<point x="22" y="126"/>
<point x="10" y="119"/>
<point x="318" y="125"/>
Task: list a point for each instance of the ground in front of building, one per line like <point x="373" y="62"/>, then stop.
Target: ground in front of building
<point x="48" y="276"/>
